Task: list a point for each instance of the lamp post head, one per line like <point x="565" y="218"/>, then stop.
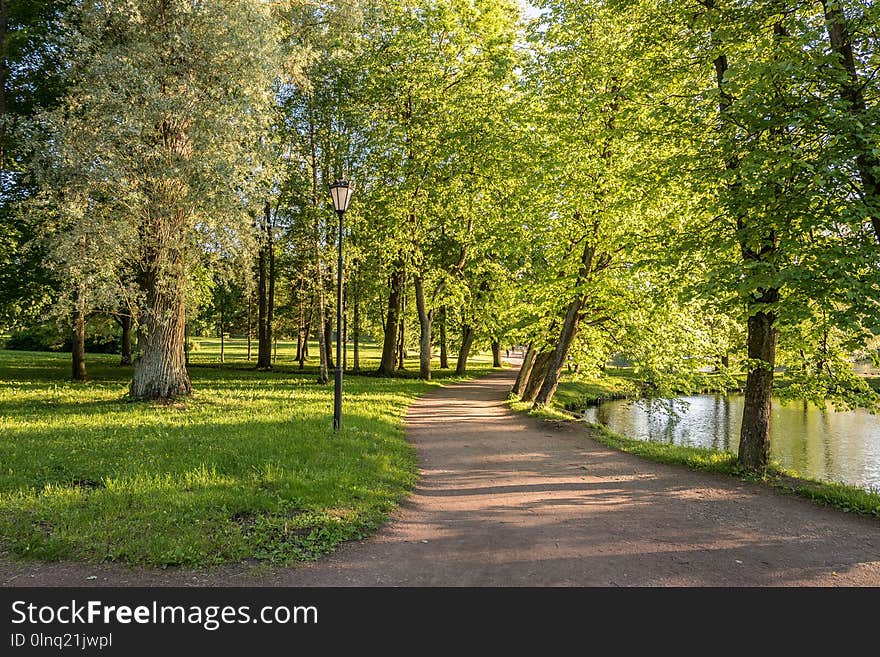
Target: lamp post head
<point x="340" y="192"/>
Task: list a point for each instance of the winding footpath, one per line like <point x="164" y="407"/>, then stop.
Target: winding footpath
<point x="508" y="500"/>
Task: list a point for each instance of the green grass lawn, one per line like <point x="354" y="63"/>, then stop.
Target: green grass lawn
<point x="248" y="468"/>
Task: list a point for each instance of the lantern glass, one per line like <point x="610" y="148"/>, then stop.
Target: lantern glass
<point x="340" y="192"/>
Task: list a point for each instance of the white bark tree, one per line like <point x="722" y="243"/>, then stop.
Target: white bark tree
<point x="166" y="126"/>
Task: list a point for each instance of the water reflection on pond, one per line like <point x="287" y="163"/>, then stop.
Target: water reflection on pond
<point x="815" y="442"/>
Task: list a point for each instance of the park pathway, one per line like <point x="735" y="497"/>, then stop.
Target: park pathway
<point x="505" y="499"/>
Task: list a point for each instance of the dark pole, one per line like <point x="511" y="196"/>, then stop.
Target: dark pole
<point x="337" y="397"/>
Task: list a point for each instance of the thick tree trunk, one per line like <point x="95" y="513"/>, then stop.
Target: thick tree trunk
<point x="186" y="346"/>
<point x="264" y="327"/>
<point x="426" y="317"/>
<point x="560" y="353"/>
<point x="496" y="354"/>
<point x="536" y="377"/>
<point x="754" y="441"/>
<point x="524" y="370"/>
<point x="160" y="372"/>
<point x="389" y="346"/>
<point x="125" y="348"/>
<point x="852" y="89"/>
<point x="444" y="352"/>
<point x="569" y="327"/>
<point x="467" y="340"/>
<point x="78" y="341"/>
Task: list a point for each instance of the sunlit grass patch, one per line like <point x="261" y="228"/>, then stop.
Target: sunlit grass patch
<point x="248" y="468"/>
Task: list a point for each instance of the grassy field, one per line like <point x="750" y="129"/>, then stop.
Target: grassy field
<point x="248" y="468"/>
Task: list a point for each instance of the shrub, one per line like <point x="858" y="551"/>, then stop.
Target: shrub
<point x="44" y="337"/>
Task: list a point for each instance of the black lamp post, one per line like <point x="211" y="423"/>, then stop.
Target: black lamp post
<point x="340" y="191"/>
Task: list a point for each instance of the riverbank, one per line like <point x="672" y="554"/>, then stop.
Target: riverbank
<point x="577" y="392"/>
<point x="847" y="498"/>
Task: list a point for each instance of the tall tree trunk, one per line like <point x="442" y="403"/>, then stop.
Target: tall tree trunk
<point x="264" y="326"/>
<point x="356" y="329"/>
<point x="4" y="74"/>
<point x="401" y="345"/>
<point x="328" y="339"/>
<point x="444" y="353"/>
<point x="426" y="317"/>
<point x="159" y="372"/>
<point x="249" y="325"/>
<point x="852" y="90"/>
<point x="524" y="370"/>
<point x="270" y="302"/>
<point x="496" y="353"/>
<point x="569" y="328"/>
<point x="344" y="334"/>
<point x="467" y="340"/>
<point x="389" y="346"/>
<point x="307" y="331"/>
<point x="560" y="353"/>
<point x="78" y="342"/>
<point x="401" y="330"/>
<point x="125" y="355"/>
<point x="262" y="310"/>
<point x="222" y="341"/>
<point x="754" y="440"/>
<point x="299" y="334"/>
<point x="754" y="446"/>
<point x="186" y="345"/>
<point x="300" y="320"/>
<point x="537" y="375"/>
<point x="323" y="370"/>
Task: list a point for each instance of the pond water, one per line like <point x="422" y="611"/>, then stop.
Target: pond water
<point x="816" y="442"/>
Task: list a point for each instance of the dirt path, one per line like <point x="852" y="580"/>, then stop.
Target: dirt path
<point x="505" y="499"/>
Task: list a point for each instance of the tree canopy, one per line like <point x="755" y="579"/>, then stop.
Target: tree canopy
<point x="686" y="187"/>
